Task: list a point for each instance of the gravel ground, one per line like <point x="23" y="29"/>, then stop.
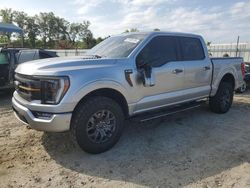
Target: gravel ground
<point x="192" y="149"/>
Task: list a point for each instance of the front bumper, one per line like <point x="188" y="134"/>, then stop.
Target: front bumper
<point x="56" y="123"/>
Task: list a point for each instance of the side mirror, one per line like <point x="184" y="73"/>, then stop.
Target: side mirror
<point x="147" y="76"/>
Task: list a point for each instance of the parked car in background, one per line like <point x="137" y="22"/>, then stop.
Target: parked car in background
<point x="10" y="58"/>
<point x="246" y="83"/>
<point x="124" y="76"/>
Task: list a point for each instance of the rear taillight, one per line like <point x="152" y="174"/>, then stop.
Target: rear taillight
<point x="243" y="69"/>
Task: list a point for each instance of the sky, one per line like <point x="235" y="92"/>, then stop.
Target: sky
<point x="218" y="21"/>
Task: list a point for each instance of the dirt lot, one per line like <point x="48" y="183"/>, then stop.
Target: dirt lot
<point x="191" y="149"/>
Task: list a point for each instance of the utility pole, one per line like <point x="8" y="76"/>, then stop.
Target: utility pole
<point x="237" y="46"/>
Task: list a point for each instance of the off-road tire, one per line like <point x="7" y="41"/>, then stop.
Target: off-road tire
<point x="222" y="101"/>
<point x="81" y="117"/>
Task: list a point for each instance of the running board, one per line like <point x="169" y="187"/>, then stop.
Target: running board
<point x="166" y="111"/>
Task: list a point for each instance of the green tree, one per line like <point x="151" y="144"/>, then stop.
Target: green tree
<point x="7" y="17"/>
<point x="131" y="30"/>
<point x="49" y="31"/>
<point x="32" y="31"/>
<point x="48" y="25"/>
<point x="20" y="18"/>
<point x="75" y="30"/>
<point x="42" y="21"/>
<point x="88" y="39"/>
<point x="86" y="35"/>
<point x="98" y="40"/>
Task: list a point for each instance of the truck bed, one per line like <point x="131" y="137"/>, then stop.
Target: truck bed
<point x="221" y="66"/>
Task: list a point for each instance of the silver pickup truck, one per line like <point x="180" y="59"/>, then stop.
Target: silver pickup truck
<point x="123" y="77"/>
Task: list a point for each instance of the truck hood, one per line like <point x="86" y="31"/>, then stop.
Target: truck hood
<point x="55" y="66"/>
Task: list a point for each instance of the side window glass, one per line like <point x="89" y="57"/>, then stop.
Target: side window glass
<point x="191" y="49"/>
<point x="4" y="58"/>
<point x="159" y="51"/>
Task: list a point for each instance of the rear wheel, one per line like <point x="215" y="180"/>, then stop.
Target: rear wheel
<point x="97" y="124"/>
<point x="223" y="99"/>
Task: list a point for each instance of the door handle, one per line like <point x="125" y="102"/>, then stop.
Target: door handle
<point x="206" y="68"/>
<point x="177" y="71"/>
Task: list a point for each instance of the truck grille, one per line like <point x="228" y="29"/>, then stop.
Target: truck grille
<point x="28" y="87"/>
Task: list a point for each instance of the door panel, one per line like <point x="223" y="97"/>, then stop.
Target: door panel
<point x="166" y="84"/>
<point x="198" y="68"/>
<point x="198" y="75"/>
<point x="162" y="54"/>
<point x="186" y="78"/>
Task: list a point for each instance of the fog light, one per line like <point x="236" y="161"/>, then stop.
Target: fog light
<point x="42" y="115"/>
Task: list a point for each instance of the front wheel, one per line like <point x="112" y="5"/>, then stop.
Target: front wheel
<point x="97" y="124"/>
<point x="222" y="101"/>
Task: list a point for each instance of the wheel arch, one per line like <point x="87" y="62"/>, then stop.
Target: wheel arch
<point x="108" y="92"/>
<point x="109" y="89"/>
<point x="228" y="77"/>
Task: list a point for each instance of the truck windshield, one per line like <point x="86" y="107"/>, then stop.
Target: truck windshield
<point x="117" y="46"/>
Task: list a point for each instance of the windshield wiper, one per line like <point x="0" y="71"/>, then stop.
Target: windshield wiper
<point x="94" y="55"/>
<point x="97" y="56"/>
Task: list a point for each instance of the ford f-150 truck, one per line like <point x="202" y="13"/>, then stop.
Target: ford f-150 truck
<point x="123" y="77"/>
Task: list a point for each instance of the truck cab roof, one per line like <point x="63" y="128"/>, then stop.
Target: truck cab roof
<point x="155" y="33"/>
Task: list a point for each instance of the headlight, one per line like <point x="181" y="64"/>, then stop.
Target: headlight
<point x="53" y="89"/>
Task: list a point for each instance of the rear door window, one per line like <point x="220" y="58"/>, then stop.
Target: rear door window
<point x="191" y="49"/>
<point x="159" y="51"/>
